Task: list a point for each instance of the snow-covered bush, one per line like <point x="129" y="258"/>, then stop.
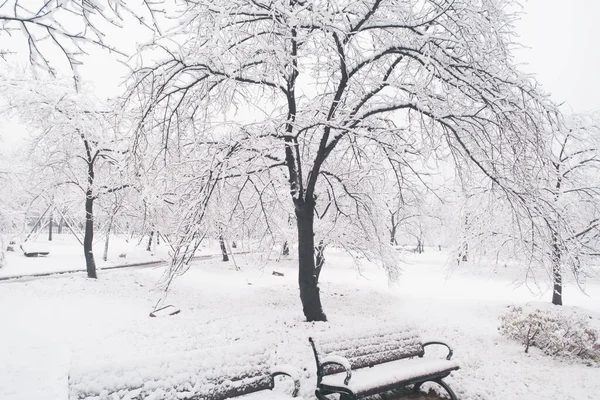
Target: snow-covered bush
<point x="555" y="331"/>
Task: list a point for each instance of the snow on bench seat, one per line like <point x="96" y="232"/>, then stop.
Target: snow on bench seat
<point x="385" y="375"/>
<point x="367" y="348"/>
<point x="215" y="374"/>
<point x="35" y="249"/>
<point x="361" y="363"/>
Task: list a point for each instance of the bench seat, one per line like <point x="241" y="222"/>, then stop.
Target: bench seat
<point x="360" y="363"/>
<point x="387" y="376"/>
<point x="240" y="370"/>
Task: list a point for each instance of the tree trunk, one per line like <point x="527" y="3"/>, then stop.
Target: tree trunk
<point x="149" y="247"/>
<point x="61" y="221"/>
<point x="556" y="271"/>
<point x="105" y="255"/>
<point x="393" y="241"/>
<point x="286" y="249"/>
<point x="89" y="236"/>
<point x="464" y="254"/>
<point x="307" y="279"/>
<point x="419" y="246"/>
<point x="319" y="259"/>
<point x="223" y="248"/>
<point x="50" y="227"/>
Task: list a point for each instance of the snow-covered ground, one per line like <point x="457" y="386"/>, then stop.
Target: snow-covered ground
<point x="53" y="325"/>
<point x="66" y="254"/>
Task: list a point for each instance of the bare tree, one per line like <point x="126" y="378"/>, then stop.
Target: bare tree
<point x="329" y="88"/>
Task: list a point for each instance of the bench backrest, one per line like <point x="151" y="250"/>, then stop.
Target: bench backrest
<point x="367" y="348"/>
<point x="213" y="375"/>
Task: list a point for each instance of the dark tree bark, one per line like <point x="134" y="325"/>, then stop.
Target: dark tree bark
<point x="420" y="248"/>
<point x="464" y="254"/>
<point x="90" y="196"/>
<point x="393" y="240"/>
<point x="50" y="227"/>
<point x="304" y="198"/>
<point x="88" y="238"/>
<point x="393" y="230"/>
<point x="307" y="279"/>
<point x="60" y="225"/>
<point x="286" y="249"/>
<point x="223" y="248"/>
<point x="319" y="259"/>
<point x="556" y="271"/>
<point x="556" y="248"/>
<point x="149" y="247"/>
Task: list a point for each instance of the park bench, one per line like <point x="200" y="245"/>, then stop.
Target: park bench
<point x="369" y="363"/>
<point x="34" y="250"/>
<point x="214" y="374"/>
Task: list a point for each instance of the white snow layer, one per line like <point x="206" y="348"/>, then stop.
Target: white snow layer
<point x="389" y="373"/>
<point x="53" y="327"/>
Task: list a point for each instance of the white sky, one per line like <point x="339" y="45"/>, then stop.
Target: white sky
<point x="563" y="37"/>
<point x="562" y="50"/>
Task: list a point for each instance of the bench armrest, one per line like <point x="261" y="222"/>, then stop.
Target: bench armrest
<point x="286" y="370"/>
<point x="450" y="352"/>
<point x="341" y="361"/>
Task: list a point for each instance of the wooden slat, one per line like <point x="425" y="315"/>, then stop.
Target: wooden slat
<point x="224" y="391"/>
<point x="371" y="348"/>
<point x="333" y="344"/>
<point x="210" y="375"/>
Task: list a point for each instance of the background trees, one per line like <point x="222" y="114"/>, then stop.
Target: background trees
<point x="553" y="229"/>
<point x="252" y="112"/>
<point x="75" y="144"/>
<point x="330" y="88"/>
<point x="573" y="228"/>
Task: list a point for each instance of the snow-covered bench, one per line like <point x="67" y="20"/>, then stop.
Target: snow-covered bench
<point x="214" y="374"/>
<point x="34" y="250"/>
<point x="360" y="365"/>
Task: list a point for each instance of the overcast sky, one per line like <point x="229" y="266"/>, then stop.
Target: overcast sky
<point x="562" y="50"/>
<point x="564" y="41"/>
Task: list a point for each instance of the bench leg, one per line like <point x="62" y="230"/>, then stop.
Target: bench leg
<point x="343" y="396"/>
<point x="447" y="388"/>
<point x="319" y="395"/>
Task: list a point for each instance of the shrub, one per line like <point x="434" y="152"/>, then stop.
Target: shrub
<point x="555" y="332"/>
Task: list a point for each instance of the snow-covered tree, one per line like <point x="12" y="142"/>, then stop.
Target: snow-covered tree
<point x="57" y="34"/>
<point x="75" y="144"/>
<point x="573" y="227"/>
<point x="320" y="88"/>
<point x="13" y="196"/>
<point x="554" y="229"/>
